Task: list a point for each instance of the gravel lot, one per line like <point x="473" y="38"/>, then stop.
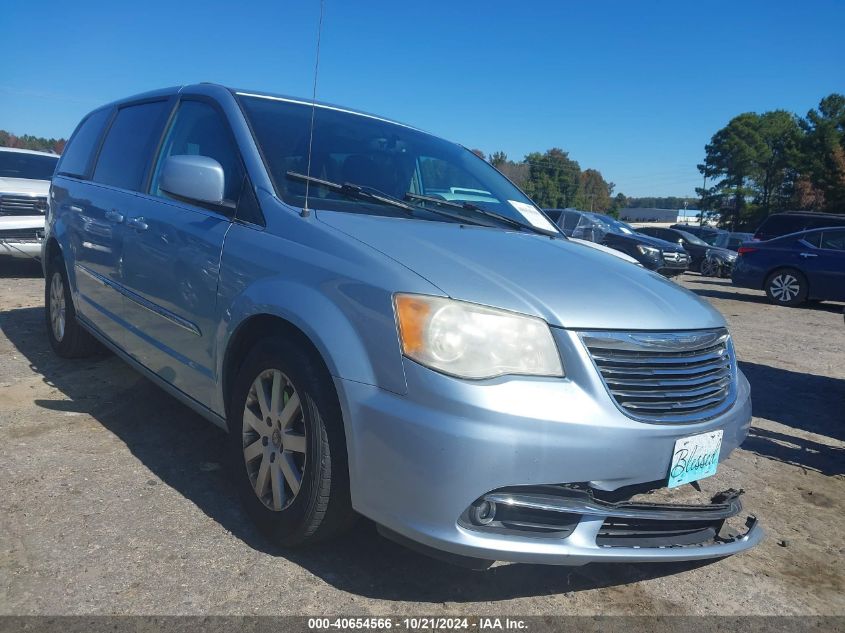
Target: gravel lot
<point x="113" y="498"/>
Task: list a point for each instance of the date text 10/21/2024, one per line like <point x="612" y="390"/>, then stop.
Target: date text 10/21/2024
<point x="418" y="623"/>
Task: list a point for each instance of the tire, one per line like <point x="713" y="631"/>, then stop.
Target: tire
<point x="786" y="287"/>
<point x="303" y="444"/>
<point x="67" y="337"/>
<point x="709" y="269"/>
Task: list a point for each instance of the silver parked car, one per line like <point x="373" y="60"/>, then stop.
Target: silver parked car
<point x="386" y="326"/>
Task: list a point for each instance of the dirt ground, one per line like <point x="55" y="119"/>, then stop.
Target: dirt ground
<point x="113" y="498"/>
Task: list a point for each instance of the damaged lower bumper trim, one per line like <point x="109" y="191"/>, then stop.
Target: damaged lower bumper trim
<point x="566" y="514"/>
<point x="585" y="505"/>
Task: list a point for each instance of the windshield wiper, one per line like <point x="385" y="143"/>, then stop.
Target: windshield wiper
<point x="371" y="193"/>
<point x="354" y="191"/>
<point x="467" y="206"/>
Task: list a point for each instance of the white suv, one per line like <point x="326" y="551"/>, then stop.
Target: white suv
<point x="24" y="186"/>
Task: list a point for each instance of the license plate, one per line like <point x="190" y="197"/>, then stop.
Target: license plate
<point x="694" y="458"/>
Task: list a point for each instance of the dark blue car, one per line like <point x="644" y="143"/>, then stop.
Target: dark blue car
<point x="795" y="267"/>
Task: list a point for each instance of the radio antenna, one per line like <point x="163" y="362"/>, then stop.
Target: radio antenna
<point x="305" y="211"/>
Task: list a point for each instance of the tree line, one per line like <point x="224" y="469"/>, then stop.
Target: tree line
<point x="555" y="181"/>
<point x="762" y="163"/>
<point x="27" y="141"/>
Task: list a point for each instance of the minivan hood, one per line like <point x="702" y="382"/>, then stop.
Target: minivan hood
<point x="25" y="186"/>
<point x="567" y="284"/>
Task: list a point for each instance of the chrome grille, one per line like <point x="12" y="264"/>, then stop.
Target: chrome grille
<point x="16" y="204"/>
<point x="666" y="376"/>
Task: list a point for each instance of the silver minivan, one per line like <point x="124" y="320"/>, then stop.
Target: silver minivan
<point x="386" y="326"/>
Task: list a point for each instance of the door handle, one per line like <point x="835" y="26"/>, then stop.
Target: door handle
<point x="137" y="223"/>
<point x="114" y="216"/>
<point x="808" y="255"/>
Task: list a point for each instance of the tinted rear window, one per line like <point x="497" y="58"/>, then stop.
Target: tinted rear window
<point x="129" y="145"/>
<point x="825" y="220"/>
<point x="777" y="225"/>
<point x="78" y="153"/>
<point x="24" y="165"/>
<point x="781" y="225"/>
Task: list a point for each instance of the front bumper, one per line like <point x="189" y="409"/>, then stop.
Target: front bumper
<point x="670" y="267"/>
<point x="419" y="460"/>
<point x="22" y="248"/>
<point x="21" y="236"/>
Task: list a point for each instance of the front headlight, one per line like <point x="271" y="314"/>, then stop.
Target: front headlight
<point x="473" y="341"/>
<point x="648" y="251"/>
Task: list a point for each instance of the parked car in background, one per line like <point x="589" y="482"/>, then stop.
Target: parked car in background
<point x="695" y="246"/>
<point x="655" y="254"/>
<point x="458" y="372"/>
<point x="708" y="234"/>
<point x="732" y="240"/>
<point x="779" y="224"/>
<point x="796" y="267"/>
<point x="719" y="260"/>
<point x="24" y="185"/>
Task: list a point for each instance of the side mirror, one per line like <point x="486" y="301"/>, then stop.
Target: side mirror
<point x="197" y="178"/>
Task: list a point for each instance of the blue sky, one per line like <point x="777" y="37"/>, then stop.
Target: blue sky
<point x="634" y="89"/>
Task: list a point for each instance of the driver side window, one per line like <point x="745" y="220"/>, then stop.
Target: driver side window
<point x="198" y="129"/>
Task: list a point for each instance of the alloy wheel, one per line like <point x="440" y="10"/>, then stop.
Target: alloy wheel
<point x="57" y="306"/>
<point x="785" y="287"/>
<point x="274" y="439"/>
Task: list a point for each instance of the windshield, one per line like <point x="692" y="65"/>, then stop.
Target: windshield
<point x="732" y="240"/>
<point x="23" y="165"/>
<point x="379" y="155"/>
<point x="611" y="225"/>
<point x="692" y="239"/>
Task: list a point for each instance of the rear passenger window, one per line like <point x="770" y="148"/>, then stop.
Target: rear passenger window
<point x="77" y="155"/>
<point x="813" y="239"/>
<point x="200" y="130"/>
<point x="129" y="145"/>
<point x="834" y="240"/>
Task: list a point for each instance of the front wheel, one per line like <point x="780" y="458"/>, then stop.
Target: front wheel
<point x="710" y="268"/>
<point x="786" y="287"/>
<point x="287" y="445"/>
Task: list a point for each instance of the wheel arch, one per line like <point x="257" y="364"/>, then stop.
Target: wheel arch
<point x="248" y="333"/>
<point x="51" y="249"/>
